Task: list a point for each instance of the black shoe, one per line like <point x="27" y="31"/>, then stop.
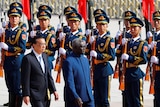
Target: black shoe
<point x="6" y="104"/>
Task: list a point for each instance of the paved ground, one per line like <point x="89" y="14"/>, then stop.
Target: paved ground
<point x="116" y="98"/>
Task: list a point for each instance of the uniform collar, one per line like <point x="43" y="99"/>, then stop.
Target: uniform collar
<point x="102" y="35"/>
<point x="75" y="32"/>
<point x="136" y="38"/>
<point x="14" y="28"/>
<point x="44" y="31"/>
<point x="158" y="32"/>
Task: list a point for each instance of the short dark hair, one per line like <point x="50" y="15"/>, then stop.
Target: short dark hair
<point x="36" y="37"/>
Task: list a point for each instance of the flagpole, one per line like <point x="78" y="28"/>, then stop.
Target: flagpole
<point x="89" y="19"/>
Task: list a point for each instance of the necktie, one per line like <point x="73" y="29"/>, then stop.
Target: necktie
<point x="42" y="64"/>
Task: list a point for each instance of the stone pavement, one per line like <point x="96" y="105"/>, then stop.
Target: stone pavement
<point x="116" y="98"/>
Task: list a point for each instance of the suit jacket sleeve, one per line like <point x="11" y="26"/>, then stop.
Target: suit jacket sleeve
<point x="25" y="76"/>
<point x="51" y="84"/>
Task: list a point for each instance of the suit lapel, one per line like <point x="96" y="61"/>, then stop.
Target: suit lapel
<point x="45" y="61"/>
<point x="38" y="64"/>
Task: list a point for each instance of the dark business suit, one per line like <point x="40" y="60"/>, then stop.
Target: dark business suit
<point x="76" y="74"/>
<point x="34" y="82"/>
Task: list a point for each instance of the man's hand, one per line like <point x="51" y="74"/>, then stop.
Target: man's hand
<point x="154" y="59"/>
<point x="149" y="34"/>
<point x="62" y="51"/>
<point x="61" y="36"/>
<point x="119" y="33"/>
<point x="4" y="46"/>
<point x="78" y="102"/>
<point x="33" y="34"/>
<point x="56" y="96"/>
<point x="93" y="53"/>
<point x="124" y="56"/>
<point x="26" y="100"/>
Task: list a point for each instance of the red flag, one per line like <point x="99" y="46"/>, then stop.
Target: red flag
<point x="148" y="9"/>
<point x="26" y="8"/>
<point x="82" y="9"/>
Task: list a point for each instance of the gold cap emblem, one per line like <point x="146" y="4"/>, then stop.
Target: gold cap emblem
<point x="42" y="13"/>
<point x="101" y="18"/>
<point x="133" y="20"/>
<point x="15" y="4"/>
<point x="99" y="11"/>
<point x="157" y="14"/>
<point x="69" y="9"/>
<point x="44" y="7"/>
<point x="14" y="10"/>
<point x="73" y="15"/>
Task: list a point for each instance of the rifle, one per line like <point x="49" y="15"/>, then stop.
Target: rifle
<point x="116" y="72"/>
<point x="148" y="69"/>
<point x="151" y="89"/>
<point x="2" y="39"/>
<point x="92" y="61"/>
<point x="59" y="60"/>
<point x="147" y="76"/>
<point x="122" y="76"/>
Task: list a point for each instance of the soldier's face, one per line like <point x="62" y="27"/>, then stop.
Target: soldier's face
<point x="135" y="31"/>
<point x="157" y="24"/>
<point x="14" y="20"/>
<point x="102" y="28"/>
<point x="40" y="45"/>
<point x="127" y="24"/>
<point x="74" y="24"/>
<point x="44" y="23"/>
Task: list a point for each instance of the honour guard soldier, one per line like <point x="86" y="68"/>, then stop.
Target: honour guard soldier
<point x="66" y="11"/>
<point x="118" y="39"/>
<point x="74" y="19"/>
<point x="14" y="46"/>
<point x="155" y="58"/>
<point x="135" y="54"/>
<point x="103" y="53"/>
<point x="21" y="24"/>
<point x="49" y="10"/>
<point x="19" y="6"/>
<point x="126" y="17"/>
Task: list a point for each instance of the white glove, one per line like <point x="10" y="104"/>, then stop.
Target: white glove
<point x="88" y="32"/>
<point x="124" y="56"/>
<point x="118" y="34"/>
<point x="62" y="51"/>
<point x="1" y="31"/>
<point x="152" y="44"/>
<point x="149" y="34"/>
<point x="117" y="46"/>
<point x="124" y="41"/>
<point x="61" y="36"/>
<point x="92" y="39"/>
<point x="4" y="24"/>
<point x="154" y="59"/>
<point x="59" y="27"/>
<point x="33" y="34"/>
<point x="149" y="46"/>
<point x="4" y="46"/>
<point x="93" y="53"/>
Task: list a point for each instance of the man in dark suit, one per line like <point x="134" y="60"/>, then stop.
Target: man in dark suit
<point x="36" y="76"/>
<point x="76" y="72"/>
